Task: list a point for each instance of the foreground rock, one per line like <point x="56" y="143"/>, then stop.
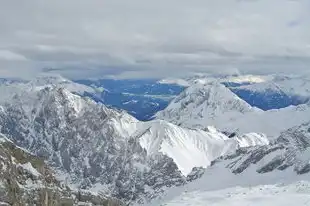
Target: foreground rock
<point x="26" y="180"/>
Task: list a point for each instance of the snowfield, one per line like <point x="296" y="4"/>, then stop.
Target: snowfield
<point x="191" y="148"/>
<point x="208" y="147"/>
<point x="133" y="160"/>
<point x="263" y="195"/>
<point x="211" y="103"/>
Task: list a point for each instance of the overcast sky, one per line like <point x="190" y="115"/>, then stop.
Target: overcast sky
<point x="153" y="38"/>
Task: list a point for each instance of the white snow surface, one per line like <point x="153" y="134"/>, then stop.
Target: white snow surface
<point x="219" y="185"/>
<point x="246" y="79"/>
<point x="205" y="104"/>
<point x="192" y="148"/>
<point x="187" y="147"/>
<point x="47" y="80"/>
<point x="289" y="85"/>
<point x="186" y="82"/>
<point x="181" y="82"/>
<point x="211" y="103"/>
<point x="28" y="166"/>
<point x="267" y="195"/>
<point x="9" y="90"/>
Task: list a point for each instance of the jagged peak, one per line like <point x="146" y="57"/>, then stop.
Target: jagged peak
<point x="191" y="148"/>
<point x="47" y="79"/>
<point x="298" y="136"/>
<point x="201" y="104"/>
<point x="212" y="91"/>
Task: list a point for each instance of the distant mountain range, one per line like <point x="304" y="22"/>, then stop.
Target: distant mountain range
<point x="278" y="93"/>
<point x="140" y="98"/>
<point x="144" y="98"/>
<point x="103" y="150"/>
<point x="274" y="174"/>
<point x="209" y="102"/>
<point x="206" y="135"/>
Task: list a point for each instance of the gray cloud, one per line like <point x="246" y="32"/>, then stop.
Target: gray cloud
<point x="141" y="38"/>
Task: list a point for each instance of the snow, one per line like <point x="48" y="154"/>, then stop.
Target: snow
<point x="43" y="81"/>
<point x="202" y="105"/>
<point x="246" y="79"/>
<point x="191" y="148"/>
<point x="219" y="181"/>
<point x="204" y="110"/>
<point x="181" y="82"/>
<point x="267" y="195"/>
<point x="252" y="139"/>
<point x="9" y="90"/>
<point x="131" y="102"/>
<point x="74" y="101"/>
<point x="28" y="166"/>
<point x="220" y="186"/>
<point x="289" y="85"/>
<point x="4" y="139"/>
<point x="203" y="79"/>
<point x="205" y="104"/>
<point x="187" y="148"/>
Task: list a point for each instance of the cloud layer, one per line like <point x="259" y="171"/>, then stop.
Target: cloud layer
<point x="142" y="38"/>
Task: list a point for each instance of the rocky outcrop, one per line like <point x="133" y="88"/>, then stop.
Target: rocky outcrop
<point x="89" y="143"/>
<point x="290" y="150"/>
<point x="26" y="180"/>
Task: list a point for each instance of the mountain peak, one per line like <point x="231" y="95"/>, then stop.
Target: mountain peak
<point x="43" y="81"/>
<point x="204" y="104"/>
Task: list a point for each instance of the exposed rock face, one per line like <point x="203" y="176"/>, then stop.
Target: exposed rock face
<point x="107" y="151"/>
<point x="290" y="150"/>
<point x="89" y="142"/>
<point x="26" y="180"/>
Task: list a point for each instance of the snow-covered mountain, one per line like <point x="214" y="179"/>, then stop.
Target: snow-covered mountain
<point x="290" y="85"/>
<point x="278" y="92"/>
<point x="59" y="81"/>
<point x="10" y="88"/>
<point x="108" y="151"/>
<point x="204" y="104"/>
<point x="235" y="80"/>
<point x="264" y="92"/>
<point x="141" y="98"/>
<point x="212" y="103"/>
<point x="88" y="142"/>
<point x="191" y="148"/>
<point x="262" y="174"/>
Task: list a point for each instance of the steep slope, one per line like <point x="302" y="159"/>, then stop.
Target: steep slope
<point x="9" y="88"/>
<point x="50" y="81"/>
<point x="276" y="93"/>
<point x="108" y="151"/>
<point x="26" y="180"/>
<point x="141" y="98"/>
<point x="205" y="104"/>
<point x="89" y="143"/>
<point x="290" y="151"/>
<point x="192" y="148"/>
<point x="281" y="164"/>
